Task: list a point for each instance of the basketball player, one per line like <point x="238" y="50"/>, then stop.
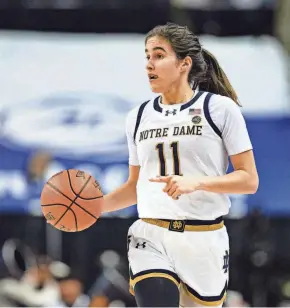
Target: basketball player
<point x="179" y="144"/>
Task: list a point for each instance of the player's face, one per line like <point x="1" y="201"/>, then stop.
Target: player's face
<point x="163" y="67"/>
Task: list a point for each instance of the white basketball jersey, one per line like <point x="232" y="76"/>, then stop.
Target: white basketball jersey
<point x="191" y="139"/>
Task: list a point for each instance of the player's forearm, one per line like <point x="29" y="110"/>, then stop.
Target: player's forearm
<point x="121" y="198"/>
<point x="236" y="182"/>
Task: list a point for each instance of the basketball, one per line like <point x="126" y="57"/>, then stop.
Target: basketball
<point x="72" y="200"/>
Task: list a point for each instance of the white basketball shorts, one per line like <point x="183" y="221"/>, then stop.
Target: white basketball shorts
<point x="196" y="261"/>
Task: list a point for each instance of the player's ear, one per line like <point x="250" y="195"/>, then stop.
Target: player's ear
<point x="186" y="63"/>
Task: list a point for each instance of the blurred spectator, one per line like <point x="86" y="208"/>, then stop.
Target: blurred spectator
<point x="37" y="287"/>
<point x="235" y="299"/>
<point x="99" y="301"/>
<point x="40" y="167"/>
<point x="71" y="292"/>
<point x="37" y="166"/>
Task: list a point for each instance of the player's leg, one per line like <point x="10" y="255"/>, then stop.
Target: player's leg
<point x="203" y="269"/>
<point x="153" y="281"/>
<point x="156" y="292"/>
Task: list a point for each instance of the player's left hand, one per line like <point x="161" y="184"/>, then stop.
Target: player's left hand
<point x="176" y="185"/>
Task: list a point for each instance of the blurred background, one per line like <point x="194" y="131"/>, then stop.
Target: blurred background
<point x="70" y="70"/>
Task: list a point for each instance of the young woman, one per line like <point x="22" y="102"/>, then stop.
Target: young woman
<point x="179" y="145"/>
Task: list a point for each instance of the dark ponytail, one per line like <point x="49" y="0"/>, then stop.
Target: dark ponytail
<point x="216" y="81"/>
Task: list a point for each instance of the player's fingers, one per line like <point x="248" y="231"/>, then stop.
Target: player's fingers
<point x="160" y="179"/>
<point x="170" y="183"/>
<point x="167" y="186"/>
<point x="172" y="190"/>
<point x="176" y="194"/>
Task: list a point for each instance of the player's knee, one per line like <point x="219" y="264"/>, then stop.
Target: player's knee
<point x="156" y="292"/>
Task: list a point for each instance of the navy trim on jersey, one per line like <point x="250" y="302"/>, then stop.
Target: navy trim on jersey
<point x="195" y="98"/>
<point x="139" y="116"/>
<point x="187" y="105"/>
<point x="208" y="299"/>
<point x="154" y="271"/>
<point x="207" y="115"/>
<point x="197" y="222"/>
<point x="156" y="105"/>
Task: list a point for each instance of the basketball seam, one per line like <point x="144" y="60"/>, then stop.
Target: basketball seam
<point x="61" y="217"/>
<point x="59" y="191"/>
<point x="73" y="202"/>
<point x="60" y="204"/>
<point x="69" y="180"/>
<point x="80" y="197"/>
<point x="52" y="204"/>
<point x="67" y="208"/>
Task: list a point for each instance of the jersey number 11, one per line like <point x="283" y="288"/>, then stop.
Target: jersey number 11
<point x="162" y="160"/>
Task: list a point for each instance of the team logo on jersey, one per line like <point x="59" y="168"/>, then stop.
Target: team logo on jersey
<point x="226" y="261"/>
<point x="196" y="119"/>
<point x="168" y="112"/>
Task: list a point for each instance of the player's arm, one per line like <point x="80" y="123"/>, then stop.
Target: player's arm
<point x="243" y="180"/>
<point x="125" y="195"/>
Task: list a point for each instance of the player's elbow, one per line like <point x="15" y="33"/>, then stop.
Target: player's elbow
<point x="253" y="183"/>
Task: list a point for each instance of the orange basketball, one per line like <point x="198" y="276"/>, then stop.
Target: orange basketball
<point x="72" y="200"/>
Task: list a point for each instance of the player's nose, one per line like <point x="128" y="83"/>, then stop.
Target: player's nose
<point x="149" y="66"/>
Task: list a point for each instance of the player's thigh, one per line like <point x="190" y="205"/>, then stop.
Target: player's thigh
<point x="156" y="292"/>
<point x="146" y="254"/>
<point x="203" y="267"/>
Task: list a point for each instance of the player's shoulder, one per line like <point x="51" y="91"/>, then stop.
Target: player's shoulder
<point x="222" y="104"/>
<point x="219" y="109"/>
<point x="221" y="100"/>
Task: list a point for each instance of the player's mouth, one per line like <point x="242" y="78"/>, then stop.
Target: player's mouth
<point x="152" y="77"/>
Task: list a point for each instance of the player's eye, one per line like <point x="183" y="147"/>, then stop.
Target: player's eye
<point x="147" y="57"/>
<point x="159" y="56"/>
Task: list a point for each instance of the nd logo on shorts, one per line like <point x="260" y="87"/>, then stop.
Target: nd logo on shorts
<point x="177" y="225"/>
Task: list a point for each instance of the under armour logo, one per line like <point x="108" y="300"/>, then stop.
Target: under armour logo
<point x="226" y="261"/>
<point x="143" y="245"/>
<point x="173" y="112"/>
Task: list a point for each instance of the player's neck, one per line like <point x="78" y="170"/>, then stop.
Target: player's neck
<point x="177" y="95"/>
